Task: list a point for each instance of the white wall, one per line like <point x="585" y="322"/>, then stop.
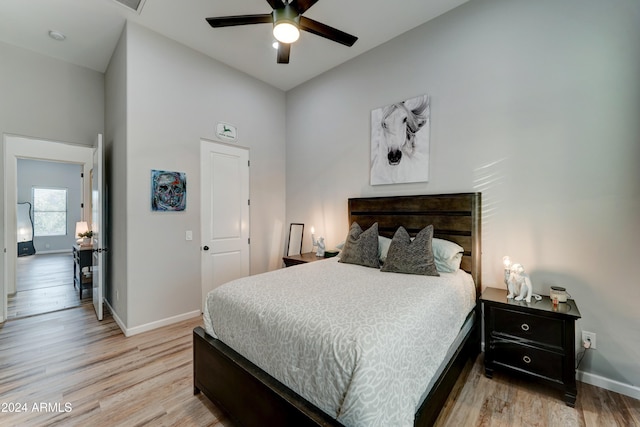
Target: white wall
<point x="174" y="98"/>
<point x="46" y="98"/>
<point x="534" y="103"/>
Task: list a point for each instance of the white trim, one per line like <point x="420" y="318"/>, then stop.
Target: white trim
<point x="609" y="384"/>
<point x="153" y="325"/>
<point x="157" y="324"/>
<point x="118" y="321"/>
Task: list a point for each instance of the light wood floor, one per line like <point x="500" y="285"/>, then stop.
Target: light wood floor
<point x="96" y="376"/>
<point x="44" y="283"/>
<point x="69" y="358"/>
<point x="507" y="401"/>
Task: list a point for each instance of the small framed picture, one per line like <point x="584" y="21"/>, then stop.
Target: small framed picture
<point x="168" y="191"/>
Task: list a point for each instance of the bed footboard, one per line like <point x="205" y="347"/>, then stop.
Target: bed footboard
<point x="246" y="392"/>
<point x="253" y="398"/>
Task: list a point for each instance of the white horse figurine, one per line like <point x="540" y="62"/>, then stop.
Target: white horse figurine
<point x="519" y="284"/>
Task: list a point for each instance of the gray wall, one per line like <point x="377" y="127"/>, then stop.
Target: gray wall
<point x="174" y="98"/>
<point x="534" y="103"/>
<point x="37" y="173"/>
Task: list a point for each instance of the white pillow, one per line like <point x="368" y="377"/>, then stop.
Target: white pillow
<point x="447" y="255"/>
<point x="383" y="247"/>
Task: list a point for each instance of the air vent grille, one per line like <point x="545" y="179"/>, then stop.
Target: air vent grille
<point x="135" y="5"/>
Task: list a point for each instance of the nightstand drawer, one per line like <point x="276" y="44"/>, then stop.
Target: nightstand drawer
<point x="531" y="327"/>
<point x="531" y="360"/>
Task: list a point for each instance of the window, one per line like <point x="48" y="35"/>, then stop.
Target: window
<point x="49" y="211"/>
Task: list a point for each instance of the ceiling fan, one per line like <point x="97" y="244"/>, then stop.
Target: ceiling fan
<point x="287" y="21"/>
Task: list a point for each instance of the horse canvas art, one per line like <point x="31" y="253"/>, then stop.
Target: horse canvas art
<point x="400" y="142"/>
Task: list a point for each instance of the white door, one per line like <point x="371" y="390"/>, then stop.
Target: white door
<point x="97" y="221"/>
<point x="225" y="214"/>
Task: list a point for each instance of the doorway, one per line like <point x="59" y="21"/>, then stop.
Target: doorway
<point x="18" y="147"/>
<point x="44" y="279"/>
<point x="224" y="174"/>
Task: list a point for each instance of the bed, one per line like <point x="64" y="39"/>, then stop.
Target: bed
<point x="252" y="397"/>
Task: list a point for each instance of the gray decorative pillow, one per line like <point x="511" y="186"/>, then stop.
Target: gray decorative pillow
<point x="411" y="257"/>
<point x="361" y="247"/>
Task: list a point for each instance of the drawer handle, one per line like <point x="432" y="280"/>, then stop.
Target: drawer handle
<point x="524" y="327"/>
<point x="526" y="359"/>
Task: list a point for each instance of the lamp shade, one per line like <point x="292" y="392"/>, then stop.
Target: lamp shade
<point x="24" y="234"/>
<point x="507" y="262"/>
<point x="81" y="227"/>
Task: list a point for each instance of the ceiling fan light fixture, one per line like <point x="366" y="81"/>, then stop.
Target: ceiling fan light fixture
<point x="286" y="32"/>
<point x="287" y="20"/>
<point x="285" y="24"/>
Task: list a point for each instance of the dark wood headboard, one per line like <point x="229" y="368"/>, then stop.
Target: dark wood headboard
<point x="455" y="217"/>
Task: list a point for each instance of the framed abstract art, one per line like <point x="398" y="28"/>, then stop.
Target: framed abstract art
<point x="168" y="191"/>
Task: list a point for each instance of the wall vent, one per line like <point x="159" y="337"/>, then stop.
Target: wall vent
<point x="135" y="5"/>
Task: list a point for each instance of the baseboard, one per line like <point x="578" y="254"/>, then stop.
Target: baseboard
<point x="609" y="384"/>
<point x="158" y="323"/>
<point x="118" y="321"/>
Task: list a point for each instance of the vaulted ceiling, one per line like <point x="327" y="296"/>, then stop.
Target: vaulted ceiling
<point x="92" y="29"/>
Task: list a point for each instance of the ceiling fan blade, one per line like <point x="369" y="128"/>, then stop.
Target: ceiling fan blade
<point x="276" y="4"/>
<point x="326" y="31"/>
<point x="284" y="50"/>
<point x="302" y="5"/>
<point x="231" y="21"/>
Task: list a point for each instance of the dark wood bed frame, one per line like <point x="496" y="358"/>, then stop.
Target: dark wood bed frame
<point x="253" y="398"/>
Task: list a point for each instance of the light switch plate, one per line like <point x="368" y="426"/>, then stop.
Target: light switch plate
<point x="189" y="235"/>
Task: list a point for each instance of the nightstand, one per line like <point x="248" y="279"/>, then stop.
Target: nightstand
<point x="535" y="339"/>
<point x="300" y="259"/>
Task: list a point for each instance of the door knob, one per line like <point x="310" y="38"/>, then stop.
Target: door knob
<point x="206" y="248"/>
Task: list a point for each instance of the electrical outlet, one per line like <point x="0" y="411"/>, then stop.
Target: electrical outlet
<point x="589" y="336"/>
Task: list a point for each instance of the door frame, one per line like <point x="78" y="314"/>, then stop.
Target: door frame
<point x="97" y="212"/>
<point x="203" y="209"/>
<point x="23" y="147"/>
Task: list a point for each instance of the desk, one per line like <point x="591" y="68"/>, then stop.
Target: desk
<point x="82" y="258"/>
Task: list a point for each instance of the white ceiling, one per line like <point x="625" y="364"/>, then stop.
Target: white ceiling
<point x="93" y="27"/>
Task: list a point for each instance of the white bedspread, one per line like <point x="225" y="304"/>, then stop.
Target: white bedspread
<point x="356" y="342"/>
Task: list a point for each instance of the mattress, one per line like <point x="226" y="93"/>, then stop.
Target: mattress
<point x="358" y="343"/>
